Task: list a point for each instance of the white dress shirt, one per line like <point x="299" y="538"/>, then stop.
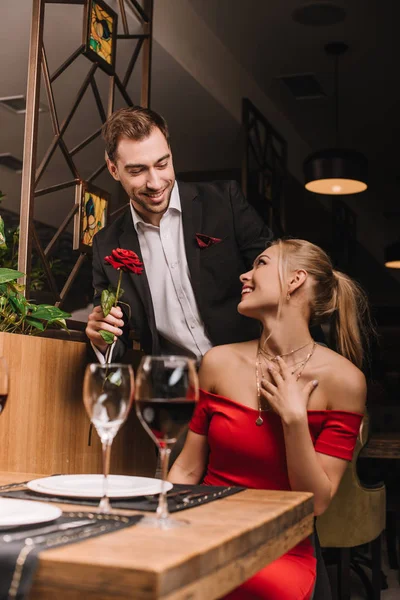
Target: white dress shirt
<point x="164" y="257"/>
<point x="163" y="251"/>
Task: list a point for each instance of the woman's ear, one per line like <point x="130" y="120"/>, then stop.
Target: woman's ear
<point x="297" y="279"/>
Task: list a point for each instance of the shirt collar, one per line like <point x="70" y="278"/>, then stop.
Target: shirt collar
<point x="174" y="205"/>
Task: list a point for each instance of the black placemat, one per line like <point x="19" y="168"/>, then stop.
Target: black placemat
<point x="18" y="560"/>
<point x="196" y="496"/>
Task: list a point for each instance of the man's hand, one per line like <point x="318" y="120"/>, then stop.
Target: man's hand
<point x="112" y="322"/>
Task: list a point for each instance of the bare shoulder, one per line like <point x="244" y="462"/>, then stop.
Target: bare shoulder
<point x="344" y="383"/>
<point x="218" y="362"/>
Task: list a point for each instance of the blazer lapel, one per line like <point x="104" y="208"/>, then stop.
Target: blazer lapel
<point x="192" y="214"/>
<point x="128" y="239"/>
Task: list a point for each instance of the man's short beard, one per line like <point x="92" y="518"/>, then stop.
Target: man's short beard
<point x="154" y="209"/>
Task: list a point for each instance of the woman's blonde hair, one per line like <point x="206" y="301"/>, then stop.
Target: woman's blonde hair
<point x="335" y="296"/>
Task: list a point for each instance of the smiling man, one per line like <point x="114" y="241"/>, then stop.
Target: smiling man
<point x="193" y="239"/>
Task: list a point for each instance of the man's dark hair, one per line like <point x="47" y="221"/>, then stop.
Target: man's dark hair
<point x="135" y="123"/>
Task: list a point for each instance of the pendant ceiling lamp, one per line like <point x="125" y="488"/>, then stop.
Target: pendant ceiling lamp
<point x="392" y="256"/>
<point x="336" y="171"/>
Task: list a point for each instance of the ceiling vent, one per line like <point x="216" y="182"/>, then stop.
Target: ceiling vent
<point x="319" y="14"/>
<point x="11" y="162"/>
<point x="303" y="86"/>
<point x="17" y="104"/>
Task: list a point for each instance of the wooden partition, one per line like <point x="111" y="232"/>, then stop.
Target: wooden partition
<point x="44" y="426"/>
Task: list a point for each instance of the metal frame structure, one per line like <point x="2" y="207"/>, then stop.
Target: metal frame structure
<point x="32" y="174"/>
<point x="264" y="167"/>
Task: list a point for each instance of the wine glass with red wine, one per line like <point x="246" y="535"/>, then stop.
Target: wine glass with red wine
<point x="166" y="392"/>
<point x="3" y="383"/>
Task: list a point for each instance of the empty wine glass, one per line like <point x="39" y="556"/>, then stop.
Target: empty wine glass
<point x="107" y="395"/>
<point x="4" y="385"/>
<point x="165" y="396"/>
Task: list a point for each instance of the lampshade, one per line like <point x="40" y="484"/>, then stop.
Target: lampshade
<point x="336" y="172"/>
<point x="392" y="256"/>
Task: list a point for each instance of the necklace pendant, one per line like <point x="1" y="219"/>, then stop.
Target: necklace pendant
<point x="259" y="421"/>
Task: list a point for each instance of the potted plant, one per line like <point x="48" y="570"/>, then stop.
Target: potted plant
<point x="9" y="242"/>
<point x="19" y="315"/>
<point x="44" y="428"/>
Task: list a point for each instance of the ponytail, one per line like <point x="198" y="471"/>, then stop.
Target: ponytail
<point x="351" y="318"/>
<point x="336" y="298"/>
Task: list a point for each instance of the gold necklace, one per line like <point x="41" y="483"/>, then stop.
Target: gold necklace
<point x="272" y="358"/>
<point x="259" y="420"/>
<point x="300" y="368"/>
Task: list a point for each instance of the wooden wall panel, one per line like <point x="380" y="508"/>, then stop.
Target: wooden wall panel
<point x="44" y="427"/>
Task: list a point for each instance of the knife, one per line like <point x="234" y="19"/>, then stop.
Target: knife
<point x="187" y="500"/>
<point x="155" y="497"/>
<point x="57" y="537"/>
<point x="45" y="530"/>
<point x="10" y="486"/>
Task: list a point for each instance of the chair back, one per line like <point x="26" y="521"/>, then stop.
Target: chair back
<point x="356" y="514"/>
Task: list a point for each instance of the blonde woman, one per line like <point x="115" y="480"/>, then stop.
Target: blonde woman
<point x="282" y="412"/>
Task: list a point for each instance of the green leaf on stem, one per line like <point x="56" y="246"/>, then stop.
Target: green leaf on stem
<point x="115" y="378"/>
<point x="107" y="336"/>
<point x="108" y="300"/>
<point x="3" y="244"/>
<point x="48" y="312"/>
<point x="19" y="304"/>
<point x="34" y="323"/>
<point x="61" y="323"/>
<point x="9" y="275"/>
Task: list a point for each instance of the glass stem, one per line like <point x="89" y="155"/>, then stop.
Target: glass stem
<point x="105" y="506"/>
<point x="162" y="509"/>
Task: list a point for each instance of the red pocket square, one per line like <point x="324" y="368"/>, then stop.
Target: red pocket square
<point x="204" y="241"/>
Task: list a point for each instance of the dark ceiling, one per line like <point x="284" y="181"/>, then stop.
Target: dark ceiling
<point x="269" y="43"/>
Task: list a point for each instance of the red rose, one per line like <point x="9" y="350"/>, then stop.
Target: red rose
<point x="126" y="260"/>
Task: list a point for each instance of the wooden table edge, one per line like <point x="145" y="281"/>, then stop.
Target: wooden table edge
<point x="224" y="577"/>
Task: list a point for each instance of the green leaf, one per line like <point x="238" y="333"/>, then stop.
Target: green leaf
<point x="107" y="301"/>
<point x="48" y="312"/>
<point x="121" y="292"/>
<point x="107" y="336"/>
<point x="19" y="304"/>
<point x="9" y="275"/>
<point x="3" y="244"/>
<point x="61" y="323"/>
<point x="34" y="323"/>
<point x="115" y="378"/>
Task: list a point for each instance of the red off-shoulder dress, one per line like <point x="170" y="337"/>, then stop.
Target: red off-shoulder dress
<point x="243" y="454"/>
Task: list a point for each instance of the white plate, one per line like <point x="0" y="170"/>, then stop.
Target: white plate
<point x="14" y="513"/>
<point x="91" y="486"/>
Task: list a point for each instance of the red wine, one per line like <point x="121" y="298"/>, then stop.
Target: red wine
<point x="164" y="419"/>
<point x="3" y="400"/>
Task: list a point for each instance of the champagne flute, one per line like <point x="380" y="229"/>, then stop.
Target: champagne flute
<point x="108" y="396"/>
<point x="3" y="383"/>
<point x="166" y="392"/>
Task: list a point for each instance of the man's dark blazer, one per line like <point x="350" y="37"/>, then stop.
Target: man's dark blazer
<point x="217" y="210"/>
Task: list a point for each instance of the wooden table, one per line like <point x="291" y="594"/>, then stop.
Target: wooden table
<point x="382" y="445"/>
<point x="227" y="542"/>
